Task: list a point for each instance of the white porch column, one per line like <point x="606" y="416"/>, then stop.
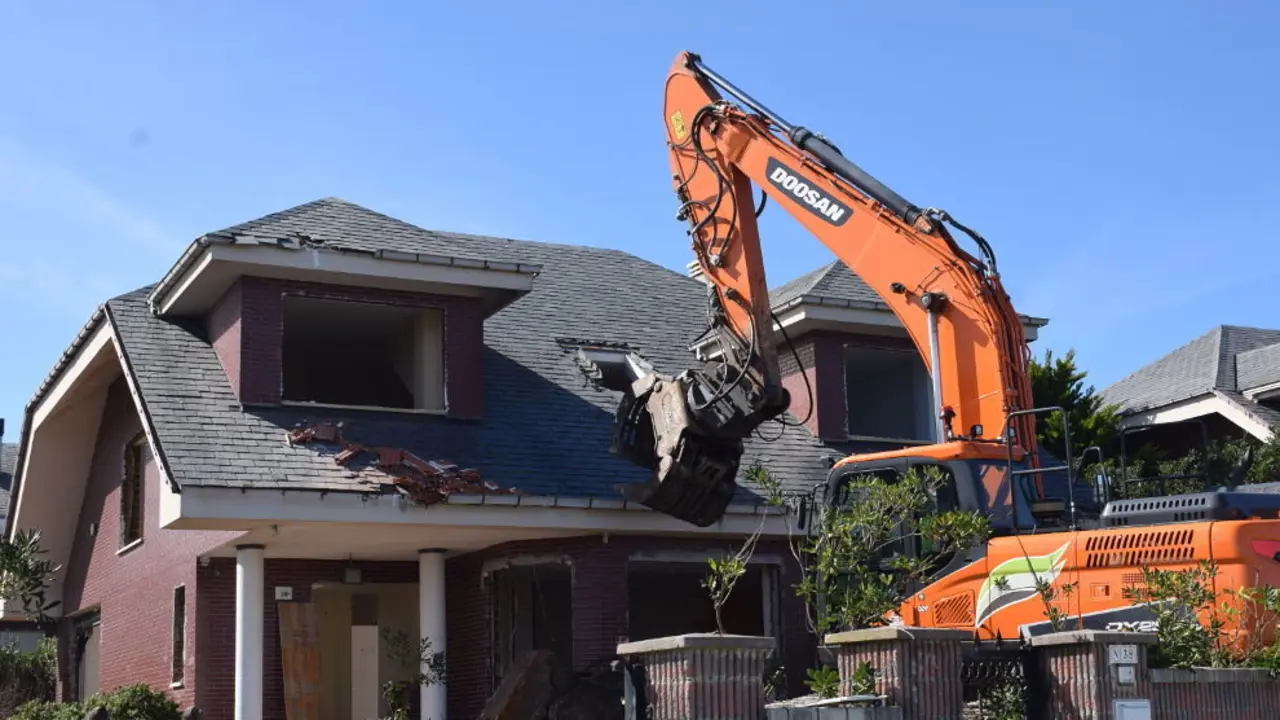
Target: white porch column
<point x="431" y="623"/>
<point x="250" y="598"/>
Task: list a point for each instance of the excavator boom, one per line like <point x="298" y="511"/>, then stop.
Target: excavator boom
<point x="689" y="429"/>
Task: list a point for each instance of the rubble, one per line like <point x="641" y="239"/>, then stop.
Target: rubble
<point x="426" y="482"/>
<point x="533" y="690"/>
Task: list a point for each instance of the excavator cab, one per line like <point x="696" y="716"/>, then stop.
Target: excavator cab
<point x="1017" y="490"/>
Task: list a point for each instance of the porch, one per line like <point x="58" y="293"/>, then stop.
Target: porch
<point x="280" y="635"/>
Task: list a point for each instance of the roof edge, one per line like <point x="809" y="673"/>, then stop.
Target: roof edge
<point x="144" y="412"/>
<point x="179" y="268"/>
<point x="68" y="356"/>
<point x="830" y="301"/>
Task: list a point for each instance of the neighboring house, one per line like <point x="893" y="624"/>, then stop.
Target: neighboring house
<point x="182" y="461"/>
<point x="1223" y="384"/>
<point x="21" y="633"/>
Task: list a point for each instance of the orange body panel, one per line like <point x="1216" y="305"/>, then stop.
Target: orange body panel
<point x="715" y="156"/>
<point x="941" y="452"/>
<point x="1100" y="564"/>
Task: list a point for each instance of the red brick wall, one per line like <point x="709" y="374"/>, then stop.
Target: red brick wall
<point x="224" y="333"/>
<point x="216" y="589"/>
<point x="821" y="357"/>
<point x="599" y="607"/>
<point x="134" y="591"/>
<point x="262" y="328"/>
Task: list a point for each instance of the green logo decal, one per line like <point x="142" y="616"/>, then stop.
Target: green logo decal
<point x="1014" y="580"/>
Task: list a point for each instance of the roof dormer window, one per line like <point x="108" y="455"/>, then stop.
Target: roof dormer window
<point x="359" y="354"/>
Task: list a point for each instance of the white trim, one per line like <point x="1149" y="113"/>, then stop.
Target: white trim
<point x="331" y="266"/>
<point x="1198" y="407"/>
<point x="130" y="547"/>
<point x="878" y="321"/>
<point x="87" y="354"/>
<point x="234" y="509"/>
<point x="186" y="280"/>
<point x="370" y="408"/>
<point x="699" y="556"/>
<point x="1263" y="392"/>
<point x="491" y="566"/>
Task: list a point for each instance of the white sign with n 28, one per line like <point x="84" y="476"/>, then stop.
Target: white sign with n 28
<point x="1123" y="654"/>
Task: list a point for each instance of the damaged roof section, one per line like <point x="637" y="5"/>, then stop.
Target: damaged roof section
<point x="426" y="482"/>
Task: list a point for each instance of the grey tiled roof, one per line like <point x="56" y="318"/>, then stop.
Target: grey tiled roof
<point x="545" y="430"/>
<point x="1224" y="361"/>
<point x="834" y="281"/>
<point x="836" y="284"/>
<point x="8" y="462"/>
<point x="1199" y="367"/>
<point x="1259" y="367"/>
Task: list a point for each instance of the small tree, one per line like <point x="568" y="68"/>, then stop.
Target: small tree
<point x="25" y="574"/>
<point x="424" y="665"/>
<point x="1059" y="382"/>
<point x="724" y="572"/>
<point x="870" y="554"/>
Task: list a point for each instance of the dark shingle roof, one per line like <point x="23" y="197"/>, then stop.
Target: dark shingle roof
<point x="8" y="463"/>
<point x="1258" y="368"/>
<point x="1225" y="361"/>
<point x="834" y="281"/>
<point x="836" y="284"/>
<point x="545" y="430"/>
<point x="1203" y="365"/>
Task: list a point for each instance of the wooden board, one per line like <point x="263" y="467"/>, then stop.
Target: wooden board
<point x="300" y="660"/>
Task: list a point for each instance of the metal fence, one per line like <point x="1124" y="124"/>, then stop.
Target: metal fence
<point x="1001" y="681"/>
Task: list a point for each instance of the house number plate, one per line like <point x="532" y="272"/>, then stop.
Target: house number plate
<point x="1123" y="654"/>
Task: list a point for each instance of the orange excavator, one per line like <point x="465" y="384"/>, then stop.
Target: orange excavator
<point x="689" y="429"/>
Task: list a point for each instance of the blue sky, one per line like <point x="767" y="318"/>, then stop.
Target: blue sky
<point x="1119" y="156"/>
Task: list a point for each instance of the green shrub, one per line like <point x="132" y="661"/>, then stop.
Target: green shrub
<point x="44" y="710"/>
<point x="27" y="676"/>
<point x="132" y="702"/>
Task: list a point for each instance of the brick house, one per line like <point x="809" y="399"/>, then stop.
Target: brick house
<point x="218" y="555"/>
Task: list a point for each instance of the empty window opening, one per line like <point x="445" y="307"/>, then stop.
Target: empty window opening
<point x="667" y="598"/>
<point x="362" y="354"/>
<point x="531" y="609"/>
<point x="610" y="367"/>
<point x="179" y="632"/>
<point x="132" y="486"/>
<point x="888" y="394"/>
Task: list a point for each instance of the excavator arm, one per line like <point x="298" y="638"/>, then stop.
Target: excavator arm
<point x="690" y="429"/>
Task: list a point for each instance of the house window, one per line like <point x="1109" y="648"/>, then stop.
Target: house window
<point x="667" y="598"/>
<point x="131" y="489"/>
<point x="179" y="632"/>
<point x="530" y="607"/>
<point x="362" y="354"/>
<point x="888" y="394"/>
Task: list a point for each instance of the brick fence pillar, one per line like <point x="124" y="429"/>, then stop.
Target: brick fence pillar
<point x="918" y="669"/>
<point x="702" y="675"/>
<point x="1086" y="673"/>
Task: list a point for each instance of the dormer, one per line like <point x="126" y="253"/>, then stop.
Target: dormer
<point x="302" y="319"/>
<point x="869" y="382"/>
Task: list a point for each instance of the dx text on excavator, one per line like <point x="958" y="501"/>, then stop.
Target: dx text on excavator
<point x="689" y="429"/>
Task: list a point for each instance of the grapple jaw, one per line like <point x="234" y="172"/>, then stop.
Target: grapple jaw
<point x="694" y="472"/>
